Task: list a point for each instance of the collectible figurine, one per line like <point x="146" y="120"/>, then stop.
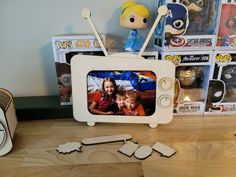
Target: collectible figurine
<point x="190" y="76"/>
<point x="227" y="26"/>
<point x="186" y="76"/>
<point x="176" y="21"/>
<point x="229" y="78"/>
<point x="134" y="16"/>
<point x="198" y="15"/>
<point x="216" y="92"/>
<point x="64" y="86"/>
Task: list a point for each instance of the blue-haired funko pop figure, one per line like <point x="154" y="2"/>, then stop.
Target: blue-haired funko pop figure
<point x="134" y="16"/>
<point x="176" y="21"/>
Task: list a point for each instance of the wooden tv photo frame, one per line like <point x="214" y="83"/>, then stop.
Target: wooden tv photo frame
<point x="147" y="85"/>
<point x="153" y="80"/>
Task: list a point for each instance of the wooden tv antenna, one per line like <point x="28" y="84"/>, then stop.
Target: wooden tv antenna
<point x="162" y="11"/>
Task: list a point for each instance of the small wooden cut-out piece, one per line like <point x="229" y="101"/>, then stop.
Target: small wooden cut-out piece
<point x="143" y="152"/>
<point x="106" y="139"/>
<point x="128" y="148"/>
<point x="163" y="149"/>
<point x="69" y="147"/>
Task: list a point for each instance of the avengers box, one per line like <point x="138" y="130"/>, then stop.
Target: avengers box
<point x="221" y="97"/>
<point x="189" y="25"/>
<point x="193" y="70"/>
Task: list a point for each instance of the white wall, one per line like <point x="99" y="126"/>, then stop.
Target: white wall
<point x="26" y="27"/>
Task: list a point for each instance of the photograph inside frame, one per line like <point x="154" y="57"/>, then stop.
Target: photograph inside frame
<point x="124" y="93"/>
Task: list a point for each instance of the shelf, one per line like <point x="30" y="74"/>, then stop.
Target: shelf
<point x="41" y="107"/>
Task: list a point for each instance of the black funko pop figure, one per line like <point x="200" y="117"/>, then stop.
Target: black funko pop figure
<point x="216" y="92"/>
<point x="229" y="78"/>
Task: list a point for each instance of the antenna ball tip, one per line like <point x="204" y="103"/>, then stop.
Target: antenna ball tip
<point x="162" y="10"/>
<point x="86" y="13"/>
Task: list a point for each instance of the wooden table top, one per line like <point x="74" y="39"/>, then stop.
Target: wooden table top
<point x="206" y="146"/>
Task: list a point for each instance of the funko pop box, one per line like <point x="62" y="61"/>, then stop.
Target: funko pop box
<point x="221" y="98"/>
<point x="226" y="36"/>
<point x="193" y="70"/>
<point x="64" y="48"/>
<point x="189" y="25"/>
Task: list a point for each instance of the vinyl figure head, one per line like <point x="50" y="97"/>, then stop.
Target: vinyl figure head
<point x="201" y="16"/>
<point x="193" y="5"/>
<point x="186" y="76"/>
<point x="176" y="20"/>
<point x="229" y="78"/>
<point x="134" y="16"/>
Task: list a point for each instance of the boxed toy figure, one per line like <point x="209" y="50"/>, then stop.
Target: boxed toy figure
<point x="221" y="98"/>
<point x="64" y="48"/>
<point x="192" y="74"/>
<point x="226" y="38"/>
<point x="189" y="24"/>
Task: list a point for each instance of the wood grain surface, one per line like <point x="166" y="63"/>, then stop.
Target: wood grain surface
<point x="206" y="146"/>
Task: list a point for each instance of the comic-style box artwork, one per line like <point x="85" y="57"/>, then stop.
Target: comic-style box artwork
<point x="189" y="25"/>
<point x="64" y="48"/>
<point x="193" y="70"/>
<point x="226" y="36"/>
<point x="221" y="97"/>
